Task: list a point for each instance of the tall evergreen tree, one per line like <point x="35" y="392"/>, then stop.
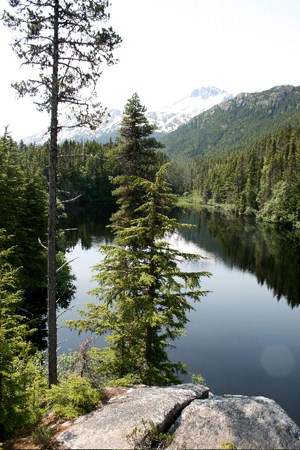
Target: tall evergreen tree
<point x="64" y="40"/>
<point x="143" y="293"/>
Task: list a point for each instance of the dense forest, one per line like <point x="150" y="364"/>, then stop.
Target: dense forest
<point x="143" y="297"/>
<point x="263" y="179"/>
<point x="23" y="203"/>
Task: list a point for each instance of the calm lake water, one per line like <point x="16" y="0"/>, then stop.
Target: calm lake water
<point x="244" y="336"/>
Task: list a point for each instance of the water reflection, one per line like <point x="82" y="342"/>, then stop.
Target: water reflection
<point x="269" y="252"/>
<point x="90" y="227"/>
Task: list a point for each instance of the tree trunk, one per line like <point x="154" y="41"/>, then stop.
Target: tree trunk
<point x="52" y="211"/>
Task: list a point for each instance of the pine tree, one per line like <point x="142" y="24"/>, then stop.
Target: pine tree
<point x="136" y="156"/>
<point x="137" y="147"/>
<point x="143" y="293"/>
<point x="64" y="41"/>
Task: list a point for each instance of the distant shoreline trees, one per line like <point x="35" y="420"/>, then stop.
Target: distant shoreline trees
<point x="262" y="180"/>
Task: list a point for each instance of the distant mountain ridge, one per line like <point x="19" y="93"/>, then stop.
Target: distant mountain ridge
<point x="166" y="119"/>
<point x="235" y="122"/>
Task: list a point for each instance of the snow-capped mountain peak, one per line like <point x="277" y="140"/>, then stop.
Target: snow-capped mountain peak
<point x="205" y="92"/>
<point x="166" y="119"/>
<point x="199" y="100"/>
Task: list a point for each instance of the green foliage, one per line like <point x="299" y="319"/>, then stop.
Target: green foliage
<point x="197" y="378"/>
<point x="22" y="381"/>
<point x="23" y="387"/>
<point x="23" y="215"/>
<point x="73" y="397"/>
<point x="227" y="445"/>
<point x="51" y="36"/>
<point x="43" y="437"/>
<point x="76" y="34"/>
<point x="85" y="362"/>
<point x="143" y="294"/>
<point x="136" y="147"/>
<point x="23" y="207"/>
<point x="135" y="156"/>
<point x="83" y="173"/>
<point x="148" y="436"/>
<point x="190" y="200"/>
<point x="66" y="364"/>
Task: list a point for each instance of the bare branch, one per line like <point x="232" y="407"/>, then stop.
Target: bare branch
<point x="41" y="244"/>
<point x="62" y="312"/>
<point x="65" y="263"/>
<point x="72" y="199"/>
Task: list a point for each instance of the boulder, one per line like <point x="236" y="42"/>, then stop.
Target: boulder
<point x="109" y="427"/>
<point x="194" y="417"/>
<point x="240" y="421"/>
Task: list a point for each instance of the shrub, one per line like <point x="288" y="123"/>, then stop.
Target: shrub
<point x="73" y="397"/>
<point x="43" y="437"/>
<point x="148" y="435"/>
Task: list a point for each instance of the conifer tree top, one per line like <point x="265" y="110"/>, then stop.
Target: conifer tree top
<point x="135" y="125"/>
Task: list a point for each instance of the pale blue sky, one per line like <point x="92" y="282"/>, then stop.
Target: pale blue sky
<point x="173" y="46"/>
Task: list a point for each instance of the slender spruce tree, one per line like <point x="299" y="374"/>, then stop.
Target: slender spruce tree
<point x="65" y="41"/>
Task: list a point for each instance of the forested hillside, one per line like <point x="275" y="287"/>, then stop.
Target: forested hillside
<point x="263" y="179"/>
<point x="235" y="123"/>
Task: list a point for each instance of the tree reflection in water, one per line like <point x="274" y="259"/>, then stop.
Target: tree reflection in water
<point x="270" y="252"/>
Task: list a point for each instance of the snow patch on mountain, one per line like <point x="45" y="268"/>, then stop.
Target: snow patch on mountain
<point x="200" y="100"/>
<point x="166" y="119"/>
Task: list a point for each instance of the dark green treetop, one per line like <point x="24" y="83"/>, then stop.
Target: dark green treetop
<point x="136" y="156"/>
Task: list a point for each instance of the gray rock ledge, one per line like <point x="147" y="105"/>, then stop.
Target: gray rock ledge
<point x="246" y="422"/>
<point x="196" y="418"/>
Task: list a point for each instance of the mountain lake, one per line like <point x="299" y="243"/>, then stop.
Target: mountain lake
<point x="244" y="336"/>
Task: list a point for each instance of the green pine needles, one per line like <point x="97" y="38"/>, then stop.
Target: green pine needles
<point x="21" y="378"/>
